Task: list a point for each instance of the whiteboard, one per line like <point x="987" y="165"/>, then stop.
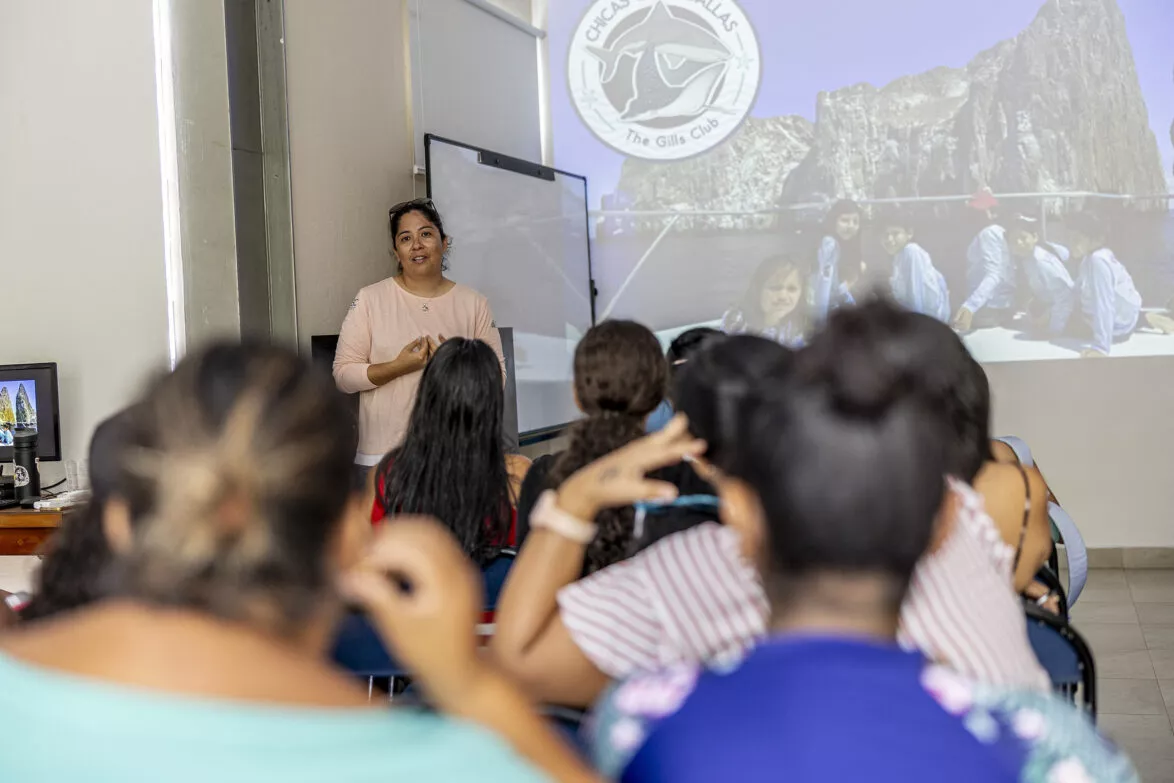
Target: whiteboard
<point x="519" y="234"/>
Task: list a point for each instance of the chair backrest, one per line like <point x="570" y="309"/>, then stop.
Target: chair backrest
<point x="1065" y="656"/>
<point x="1074" y="548"/>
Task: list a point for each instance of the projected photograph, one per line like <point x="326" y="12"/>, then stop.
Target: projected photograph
<point x="1006" y="166"/>
<point x="18" y="408"/>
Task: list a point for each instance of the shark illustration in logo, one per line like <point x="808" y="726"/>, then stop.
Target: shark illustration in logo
<point x="675" y="67"/>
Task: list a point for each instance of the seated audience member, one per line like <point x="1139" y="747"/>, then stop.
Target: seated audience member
<point x="1015" y="498"/>
<point x="680" y="350"/>
<point x="620" y="378"/>
<point x="71" y="571"/>
<point x="233" y="523"/>
<point x="843" y="476"/>
<point x="454" y="439"/>
<point x="961" y="609"/>
<point x="556" y="635"/>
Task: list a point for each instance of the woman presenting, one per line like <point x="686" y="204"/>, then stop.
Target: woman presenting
<point x="395" y="326"/>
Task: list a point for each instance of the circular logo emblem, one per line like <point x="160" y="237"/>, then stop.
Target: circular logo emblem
<point x="663" y="79"/>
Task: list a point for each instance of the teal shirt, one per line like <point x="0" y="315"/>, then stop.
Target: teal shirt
<point x="61" y="727"/>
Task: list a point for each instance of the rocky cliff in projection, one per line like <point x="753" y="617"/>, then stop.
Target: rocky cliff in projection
<point x="26" y="412"/>
<point x="746" y="174"/>
<point x="7" y="414"/>
<point x="1057" y="108"/>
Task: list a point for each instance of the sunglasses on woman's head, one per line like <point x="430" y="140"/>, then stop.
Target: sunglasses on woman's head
<point x="412" y="202"/>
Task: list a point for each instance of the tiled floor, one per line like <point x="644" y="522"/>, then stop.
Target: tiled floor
<point x="1128" y="619"/>
<point x="1126" y="616"/>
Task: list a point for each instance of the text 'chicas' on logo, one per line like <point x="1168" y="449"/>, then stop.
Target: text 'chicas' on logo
<point x="663" y="79"/>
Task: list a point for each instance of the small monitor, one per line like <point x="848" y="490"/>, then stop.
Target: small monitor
<point x="28" y="400"/>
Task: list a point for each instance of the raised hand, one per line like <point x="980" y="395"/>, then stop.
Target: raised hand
<point x="621" y="478"/>
<point x="425" y="599"/>
<point x="415" y="355"/>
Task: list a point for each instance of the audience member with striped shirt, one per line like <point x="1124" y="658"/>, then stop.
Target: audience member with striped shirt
<point x="696" y="597"/>
<point x="842" y="474"/>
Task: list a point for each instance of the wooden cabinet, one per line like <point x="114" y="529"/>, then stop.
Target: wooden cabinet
<point x="22" y="532"/>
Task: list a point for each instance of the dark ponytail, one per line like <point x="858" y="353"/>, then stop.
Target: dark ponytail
<point x="620" y="378"/>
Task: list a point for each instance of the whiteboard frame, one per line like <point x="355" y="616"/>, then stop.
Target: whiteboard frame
<point x="524" y="168"/>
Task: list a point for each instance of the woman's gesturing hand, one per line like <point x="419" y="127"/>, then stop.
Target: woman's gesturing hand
<point x="415" y="355"/>
<point x="425" y="598"/>
<point x="621" y="478"/>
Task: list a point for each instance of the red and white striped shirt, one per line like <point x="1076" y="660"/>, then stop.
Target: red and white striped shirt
<point x="693" y="598"/>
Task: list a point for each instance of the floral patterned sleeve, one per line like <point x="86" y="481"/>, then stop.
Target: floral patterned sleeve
<point x="1056" y="739"/>
<point x="628" y="713"/>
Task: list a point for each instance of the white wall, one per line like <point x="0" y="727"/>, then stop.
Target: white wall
<point x="350" y="148"/>
<point x="1102" y="433"/>
<point x="81" y="237"/>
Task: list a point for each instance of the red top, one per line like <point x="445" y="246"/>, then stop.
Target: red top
<point x="379" y="513"/>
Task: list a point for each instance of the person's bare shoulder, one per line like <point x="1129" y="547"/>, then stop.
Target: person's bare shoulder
<point x="1002" y="490"/>
<point x="517" y="466"/>
<point x="1003" y="454"/>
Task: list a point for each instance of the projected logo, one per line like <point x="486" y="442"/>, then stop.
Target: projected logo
<point x="663" y="79"/>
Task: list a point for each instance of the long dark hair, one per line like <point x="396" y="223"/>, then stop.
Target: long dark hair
<point x="847" y="459"/>
<point x="452" y="462"/>
<point x="852" y="250"/>
<point x="71" y="572"/>
<point x="620" y="378"/>
<point x="714" y="386"/>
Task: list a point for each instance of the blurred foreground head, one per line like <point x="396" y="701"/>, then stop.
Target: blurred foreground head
<point x="232" y="488"/>
<point x="844" y="455"/>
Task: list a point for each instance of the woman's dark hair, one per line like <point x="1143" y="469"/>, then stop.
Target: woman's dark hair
<point x="425" y="207"/>
<point x="682" y="349"/>
<point x="847" y="459"/>
<point x="452" y="464"/>
<point x="1032" y="225"/>
<point x="237" y="473"/>
<point x="751" y="305"/>
<point x="688" y="343"/>
<point x="714" y="386"/>
<point x="620" y="378"/>
<point x="852" y="250"/>
<point x="71" y="571"/>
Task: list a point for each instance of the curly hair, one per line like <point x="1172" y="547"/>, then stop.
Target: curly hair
<point x="620" y="378"/>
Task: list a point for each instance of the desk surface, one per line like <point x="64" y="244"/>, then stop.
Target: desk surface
<point x="24" y="518"/>
<point x="23" y="532"/>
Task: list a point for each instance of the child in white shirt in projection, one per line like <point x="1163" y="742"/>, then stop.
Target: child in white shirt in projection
<point x="917" y="284"/>
<point x="1044" y="264"/>
<point x="1108" y="299"/>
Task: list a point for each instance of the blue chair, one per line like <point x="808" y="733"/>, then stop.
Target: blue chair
<point x="1064" y="530"/>
<point x="359" y="650"/>
<point x="1065" y="656"/>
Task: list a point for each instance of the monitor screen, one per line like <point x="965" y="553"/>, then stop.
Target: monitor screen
<point x="28" y="400"/>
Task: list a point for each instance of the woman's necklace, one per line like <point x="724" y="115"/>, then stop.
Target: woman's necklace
<point x="425" y="305"/>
